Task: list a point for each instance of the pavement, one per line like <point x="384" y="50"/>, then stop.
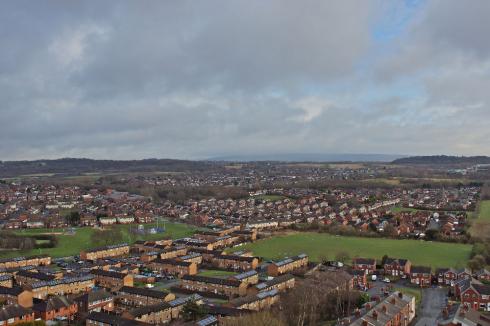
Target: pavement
<point x="433" y="300"/>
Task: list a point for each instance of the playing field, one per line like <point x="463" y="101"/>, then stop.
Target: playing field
<point x="434" y="254"/>
<point x="481" y="226"/>
<point x="72" y="244"/>
<point x="270" y="197"/>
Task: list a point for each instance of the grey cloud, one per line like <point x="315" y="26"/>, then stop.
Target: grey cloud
<point x="192" y="79"/>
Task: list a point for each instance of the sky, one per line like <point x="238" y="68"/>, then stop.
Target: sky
<point x="199" y="79"/>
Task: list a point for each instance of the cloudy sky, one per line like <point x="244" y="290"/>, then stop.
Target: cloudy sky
<point x="197" y="79"/>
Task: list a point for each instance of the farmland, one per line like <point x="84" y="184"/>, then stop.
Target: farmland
<point x="71" y="244"/>
<point x="316" y="245"/>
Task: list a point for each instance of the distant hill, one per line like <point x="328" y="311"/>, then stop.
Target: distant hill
<point x="443" y="159"/>
<point x="75" y="166"/>
<point x="312" y="157"/>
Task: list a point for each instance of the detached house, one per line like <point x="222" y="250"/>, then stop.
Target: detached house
<point x="397" y="267"/>
<point x="476" y="296"/>
<point x="364" y="264"/>
<point x="421" y="276"/>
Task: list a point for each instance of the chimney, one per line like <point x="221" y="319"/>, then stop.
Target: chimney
<point x="384" y="309"/>
<point x="400" y="295"/>
<point x="368" y="306"/>
<point x="393" y="300"/>
<point x="375" y="315"/>
<point x="358" y="313"/>
<point x="364" y="323"/>
<point x="445" y="313"/>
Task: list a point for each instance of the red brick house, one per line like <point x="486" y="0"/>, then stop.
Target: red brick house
<point x="360" y="278"/>
<point x="483" y="275"/>
<point x="56" y="308"/>
<point x="397" y="267"/>
<point x="421" y="276"/>
<point x="15" y="314"/>
<point x="476" y="296"/>
<point x="364" y="264"/>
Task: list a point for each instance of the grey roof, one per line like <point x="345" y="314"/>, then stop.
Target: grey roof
<point x="65" y="280"/>
<point x="146" y="310"/>
<point x="244" y="275"/>
<point x="181" y="301"/>
<point x="207" y="321"/>
<point x="212" y="280"/>
<point x="112" y="320"/>
<point x="53" y="303"/>
<point x="290" y="260"/>
<point x="13" y="311"/>
<point x="143" y="292"/>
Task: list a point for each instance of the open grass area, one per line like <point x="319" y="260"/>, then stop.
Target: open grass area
<point x="216" y="273"/>
<point x="398" y="209"/>
<point x="480" y="227"/>
<point x="270" y="197"/>
<point x="316" y="245"/>
<point x="388" y="181"/>
<point x="72" y="244"/>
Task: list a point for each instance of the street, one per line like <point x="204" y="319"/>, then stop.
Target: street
<point x="433" y="300"/>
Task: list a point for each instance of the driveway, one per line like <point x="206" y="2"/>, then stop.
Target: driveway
<point x="433" y="300"/>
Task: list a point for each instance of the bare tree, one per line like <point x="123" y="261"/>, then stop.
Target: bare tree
<point x="264" y="318"/>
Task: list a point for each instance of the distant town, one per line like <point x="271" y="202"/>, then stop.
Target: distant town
<point x="236" y="243"/>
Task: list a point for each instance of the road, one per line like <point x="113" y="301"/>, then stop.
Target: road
<point x="433" y="300"/>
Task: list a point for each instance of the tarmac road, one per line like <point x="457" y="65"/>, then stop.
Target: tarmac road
<point x="433" y="300"/>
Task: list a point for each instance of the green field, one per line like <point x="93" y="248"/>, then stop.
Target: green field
<point x="270" y="197"/>
<point x="434" y="254"/>
<point x="72" y="244"/>
<point x="481" y="226"/>
<point x="397" y="209"/>
<point x="216" y="273"/>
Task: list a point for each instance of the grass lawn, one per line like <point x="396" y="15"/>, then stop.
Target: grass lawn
<point x="270" y="197"/>
<point x="481" y="226"/>
<point x="72" y="244"/>
<point x="216" y="273"/>
<point x="397" y="209"/>
<point x="434" y="254"/>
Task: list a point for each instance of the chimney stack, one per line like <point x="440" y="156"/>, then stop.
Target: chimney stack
<point x="375" y="315"/>
<point x="400" y="295"/>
